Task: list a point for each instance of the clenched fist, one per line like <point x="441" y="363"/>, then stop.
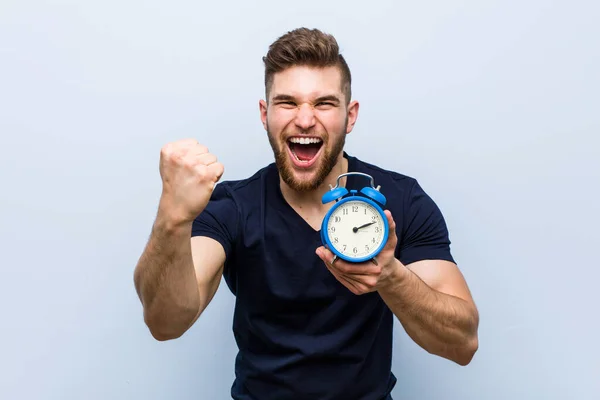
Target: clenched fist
<point x="189" y="174"/>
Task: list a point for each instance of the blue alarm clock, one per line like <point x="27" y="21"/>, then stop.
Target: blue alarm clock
<point x="355" y="228"/>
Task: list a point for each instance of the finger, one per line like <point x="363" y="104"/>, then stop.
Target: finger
<point x="327" y="257"/>
<point x="360" y="285"/>
<point x="216" y="169"/>
<point x="392" y="239"/>
<point x="356" y="281"/>
<point x="349" y="284"/>
<point x="345" y="268"/>
<point x="198" y="149"/>
<point x="187" y="146"/>
<point x="206" y="158"/>
<point x="334" y="272"/>
<point x="362" y="269"/>
<point x="365" y="282"/>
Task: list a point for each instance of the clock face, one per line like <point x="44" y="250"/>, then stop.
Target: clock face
<point x="356" y="229"/>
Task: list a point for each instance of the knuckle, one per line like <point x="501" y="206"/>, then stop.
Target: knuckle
<point x="342" y="267"/>
<point x="191" y="166"/>
<point x="200" y="170"/>
<point x="166" y="150"/>
<point x="189" y="161"/>
<point x="220" y="169"/>
<point x="173" y="151"/>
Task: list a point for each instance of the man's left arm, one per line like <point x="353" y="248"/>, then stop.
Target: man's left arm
<point x="430" y="298"/>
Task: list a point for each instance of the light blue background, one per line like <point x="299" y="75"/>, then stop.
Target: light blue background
<point x="493" y="105"/>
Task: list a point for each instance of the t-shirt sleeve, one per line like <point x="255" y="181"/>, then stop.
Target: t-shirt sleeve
<point x="425" y="234"/>
<point x="219" y="220"/>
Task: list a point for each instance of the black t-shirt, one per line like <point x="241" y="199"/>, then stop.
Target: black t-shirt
<point x="301" y="334"/>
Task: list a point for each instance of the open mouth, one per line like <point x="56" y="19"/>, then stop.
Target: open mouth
<point x="304" y="150"/>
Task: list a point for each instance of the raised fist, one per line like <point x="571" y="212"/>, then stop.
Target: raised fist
<point x="189" y="174"/>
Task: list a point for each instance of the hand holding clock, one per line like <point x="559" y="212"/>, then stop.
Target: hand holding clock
<point x="365" y="277"/>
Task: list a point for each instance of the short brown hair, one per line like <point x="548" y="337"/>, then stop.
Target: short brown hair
<point x="306" y="47"/>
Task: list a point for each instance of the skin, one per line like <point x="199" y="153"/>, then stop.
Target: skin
<point x="430" y="298"/>
<point x="306" y="101"/>
<point x="175" y="277"/>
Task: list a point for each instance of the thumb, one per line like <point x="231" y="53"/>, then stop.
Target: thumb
<point x="392" y="239"/>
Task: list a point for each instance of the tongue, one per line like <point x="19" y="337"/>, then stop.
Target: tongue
<point x="306" y="152"/>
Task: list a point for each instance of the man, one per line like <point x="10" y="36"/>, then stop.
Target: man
<point x="306" y="327"/>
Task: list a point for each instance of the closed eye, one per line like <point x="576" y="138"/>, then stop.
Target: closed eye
<point x="325" y="105"/>
<point x="286" y="103"/>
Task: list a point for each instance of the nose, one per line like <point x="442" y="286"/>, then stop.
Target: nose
<point x="305" y="117"/>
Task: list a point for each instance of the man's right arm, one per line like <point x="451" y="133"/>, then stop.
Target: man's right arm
<point x="177" y="275"/>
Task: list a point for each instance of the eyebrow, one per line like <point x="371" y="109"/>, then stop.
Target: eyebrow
<point x="330" y="97"/>
<point x="283" y="97"/>
<point x="286" y="97"/>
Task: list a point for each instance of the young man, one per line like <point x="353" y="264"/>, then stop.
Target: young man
<point x="307" y="327"/>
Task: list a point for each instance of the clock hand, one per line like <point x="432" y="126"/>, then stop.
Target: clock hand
<point x="355" y="229"/>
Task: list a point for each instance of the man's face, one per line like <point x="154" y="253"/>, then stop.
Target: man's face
<point x="307" y="120"/>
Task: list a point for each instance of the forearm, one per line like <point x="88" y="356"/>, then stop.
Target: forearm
<point x="166" y="281"/>
<point x="442" y="324"/>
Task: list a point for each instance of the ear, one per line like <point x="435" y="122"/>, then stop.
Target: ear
<point x="352" y="115"/>
<point x="263" y="112"/>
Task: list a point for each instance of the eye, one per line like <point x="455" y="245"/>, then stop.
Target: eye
<point x="325" y="104"/>
<point x="287" y="104"/>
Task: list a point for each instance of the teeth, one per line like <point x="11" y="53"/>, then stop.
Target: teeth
<point x="296" y="157"/>
<point x="305" y="140"/>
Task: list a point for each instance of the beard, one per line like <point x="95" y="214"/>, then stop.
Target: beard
<point x="324" y="165"/>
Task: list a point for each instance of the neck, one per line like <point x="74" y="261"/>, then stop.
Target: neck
<point x="313" y="198"/>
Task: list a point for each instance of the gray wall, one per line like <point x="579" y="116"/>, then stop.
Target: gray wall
<point x="492" y="105"/>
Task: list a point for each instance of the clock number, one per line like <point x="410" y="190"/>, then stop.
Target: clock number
<point x="373" y="240"/>
<point x="338" y="219"/>
<point x="345" y="211"/>
<point x="332" y="229"/>
<point x="354" y="208"/>
<point x="355" y="250"/>
<point x="335" y="240"/>
<point x="367" y="247"/>
<point x="344" y="249"/>
<point x="376" y="229"/>
<point x="373" y="218"/>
